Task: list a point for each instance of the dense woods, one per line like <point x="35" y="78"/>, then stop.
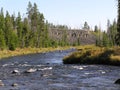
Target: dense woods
<point x="117" y="38"/>
<point x="29" y="31"/>
<point x="32" y="30"/>
<point x="106" y="38"/>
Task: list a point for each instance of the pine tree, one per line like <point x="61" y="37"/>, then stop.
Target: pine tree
<point x="29" y="13"/>
<point x="41" y="30"/>
<point x="32" y="12"/>
<point x="2" y="40"/>
<point x="96" y="30"/>
<point x="112" y="32"/>
<point x="19" y="29"/>
<point x="30" y="17"/>
<point x="26" y="33"/>
<point x="10" y="34"/>
<point x="117" y="38"/>
<point x="2" y="20"/>
<point x="13" y="21"/>
<point x="8" y="28"/>
<point x="105" y="40"/>
<point x="86" y="26"/>
<point x="13" y="41"/>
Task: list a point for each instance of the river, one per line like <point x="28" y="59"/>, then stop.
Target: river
<point x="51" y="74"/>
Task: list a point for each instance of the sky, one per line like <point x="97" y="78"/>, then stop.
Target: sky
<point x="68" y="12"/>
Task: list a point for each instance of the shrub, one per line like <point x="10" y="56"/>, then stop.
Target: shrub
<point x="98" y="56"/>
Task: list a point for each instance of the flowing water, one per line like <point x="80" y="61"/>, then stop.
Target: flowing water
<point x="50" y="74"/>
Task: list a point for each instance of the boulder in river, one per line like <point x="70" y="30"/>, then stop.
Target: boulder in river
<point x="31" y="70"/>
<point x="1" y="83"/>
<point x="117" y="81"/>
<point x="14" y="84"/>
<point x="15" y="71"/>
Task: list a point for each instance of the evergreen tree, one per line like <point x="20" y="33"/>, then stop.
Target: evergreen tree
<point x="108" y="25"/>
<point x="31" y="36"/>
<point x="26" y="33"/>
<point x="29" y="12"/>
<point x="2" y="20"/>
<point x="32" y="12"/>
<point x="35" y="26"/>
<point x="2" y="40"/>
<point x="117" y="38"/>
<point x="105" y="41"/>
<point x="13" y="21"/>
<point x="10" y="35"/>
<point x="86" y="26"/>
<point x="96" y="30"/>
<point x="19" y="29"/>
<point x="13" y="41"/>
<point x="99" y="37"/>
<point x="112" y="32"/>
<point x="34" y="17"/>
<point x="8" y="28"/>
<point x="41" y="31"/>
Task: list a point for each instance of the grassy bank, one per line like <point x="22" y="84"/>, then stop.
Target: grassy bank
<point x="94" y="55"/>
<point x="24" y="51"/>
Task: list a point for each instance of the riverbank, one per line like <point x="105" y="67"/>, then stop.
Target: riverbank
<point x="94" y="55"/>
<point x="25" y="51"/>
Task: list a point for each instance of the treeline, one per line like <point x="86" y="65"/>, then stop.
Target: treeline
<point x="117" y="38"/>
<point x="106" y="38"/>
<point x="31" y="31"/>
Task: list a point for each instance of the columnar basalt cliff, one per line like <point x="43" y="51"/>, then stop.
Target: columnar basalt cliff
<point x="73" y="36"/>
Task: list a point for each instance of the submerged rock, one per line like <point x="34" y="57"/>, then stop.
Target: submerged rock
<point x="46" y="68"/>
<point x="103" y="72"/>
<point x="117" y="81"/>
<point x="78" y="67"/>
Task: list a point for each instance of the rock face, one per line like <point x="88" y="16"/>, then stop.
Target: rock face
<point x="73" y="36"/>
<point x="117" y="81"/>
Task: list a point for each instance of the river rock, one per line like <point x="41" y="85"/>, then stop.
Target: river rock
<point x="15" y="71"/>
<point x="1" y="83"/>
<point x="31" y="70"/>
<point x="14" y="85"/>
<point x="117" y="81"/>
<point x="47" y="63"/>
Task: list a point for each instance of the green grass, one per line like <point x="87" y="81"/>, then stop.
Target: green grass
<point x="94" y="55"/>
